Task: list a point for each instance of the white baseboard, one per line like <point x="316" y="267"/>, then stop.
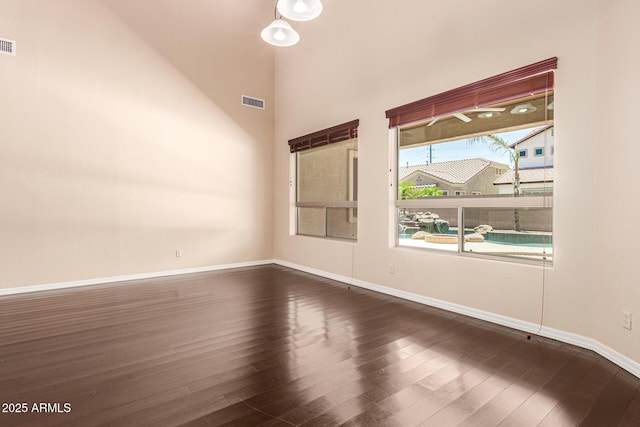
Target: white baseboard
<point x="126" y="278"/>
<point x="608" y="353"/>
<point x="588" y="343"/>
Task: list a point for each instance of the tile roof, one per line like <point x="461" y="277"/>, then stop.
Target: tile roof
<point x="527" y="176"/>
<point x="531" y="135"/>
<point x="455" y="171"/>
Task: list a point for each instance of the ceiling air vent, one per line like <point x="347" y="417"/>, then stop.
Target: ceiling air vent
<point x="7" y="47"/>
<point x="253" y="102"/>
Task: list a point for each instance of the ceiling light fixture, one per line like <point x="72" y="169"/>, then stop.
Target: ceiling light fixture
<point x="489" y="114"/>
<point x="299" y="10"/>
<point x="279" y="32"/>
<point x="523" y="108"/>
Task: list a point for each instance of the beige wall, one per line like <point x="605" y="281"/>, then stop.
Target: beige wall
<point x="618" y="152"/>
<point x="398" y="52"/>
<point x="123" y="138"/>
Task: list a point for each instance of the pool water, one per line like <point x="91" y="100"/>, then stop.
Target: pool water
<point x="506" y="238"/>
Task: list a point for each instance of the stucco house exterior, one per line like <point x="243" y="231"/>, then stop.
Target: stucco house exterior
<point x="457" y="177"/>
<point x="535" y="165"/>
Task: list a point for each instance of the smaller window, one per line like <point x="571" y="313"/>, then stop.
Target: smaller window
<point x="327" y="182"/>
<point x="445" y="192"/>
<point x="539" y="151"/>
<point x="460" y="193"/>
<point x="522" y="153"/>
<point x="476" y="193"/>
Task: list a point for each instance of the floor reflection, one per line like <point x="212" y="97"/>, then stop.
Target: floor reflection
<point x="273" y="346"/>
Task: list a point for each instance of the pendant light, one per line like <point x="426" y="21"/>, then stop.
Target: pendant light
<point x="300" y="10"/>
<point x="279" y="33"/>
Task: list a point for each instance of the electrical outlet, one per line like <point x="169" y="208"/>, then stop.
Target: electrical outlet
<point x="626" y="320"/>
<point x="392" y="269"/>
<point x="178" y="253"/>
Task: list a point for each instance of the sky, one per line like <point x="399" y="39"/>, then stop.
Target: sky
<point x="457" y="150"/>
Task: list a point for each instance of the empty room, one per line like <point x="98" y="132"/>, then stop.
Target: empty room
<point x="319" y="213"/>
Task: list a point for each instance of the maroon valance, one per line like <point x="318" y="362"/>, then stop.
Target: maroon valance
<point x="530" y="80"/>
<point x="331" y="135"/>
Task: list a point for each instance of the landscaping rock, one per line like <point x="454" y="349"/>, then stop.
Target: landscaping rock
<point x="419" y="235"/>
<point x="475" y="237"/>
<point x="483" y="229"/>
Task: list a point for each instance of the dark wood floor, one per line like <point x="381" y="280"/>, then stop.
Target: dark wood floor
<point x="276" y="347"/>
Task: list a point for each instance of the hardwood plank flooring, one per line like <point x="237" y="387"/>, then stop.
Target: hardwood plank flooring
<point x="272" y="346"/>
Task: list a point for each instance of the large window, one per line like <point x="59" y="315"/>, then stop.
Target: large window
<point x="465" y="183"/>
<point x="327" y="183"/>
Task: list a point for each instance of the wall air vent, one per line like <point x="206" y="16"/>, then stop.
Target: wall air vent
<point x="7" y="47"/>
<point x="253" y="102"/>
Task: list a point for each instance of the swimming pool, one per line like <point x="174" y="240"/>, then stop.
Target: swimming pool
<point x="506" y="237"/>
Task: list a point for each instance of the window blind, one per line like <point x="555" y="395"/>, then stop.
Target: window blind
<point x="529" y="80"/>
<point x="327" y="136"/>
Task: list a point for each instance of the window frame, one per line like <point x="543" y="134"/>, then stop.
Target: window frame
<point x="341" y="133"/>
<point x="462" y="202"/>
<point x="429" y="109"/>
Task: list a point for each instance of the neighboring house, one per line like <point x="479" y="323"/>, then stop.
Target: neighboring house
<point x="457" y="177"/>
<point x="535" y="164"/>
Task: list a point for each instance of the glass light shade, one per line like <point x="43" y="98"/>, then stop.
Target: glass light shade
<point x="280" y="33"/>
<point x="300" y="10"/>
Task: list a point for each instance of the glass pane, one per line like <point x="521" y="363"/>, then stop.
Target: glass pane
<point x="328" y="173"/>
<point x="342" y="223"/>
<point x="311" y="221"/>
<point x="520" y="113"/>
<point x="520" y="233"/>
<point x="434" y="228"/>
<point x="504" y="149"/>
